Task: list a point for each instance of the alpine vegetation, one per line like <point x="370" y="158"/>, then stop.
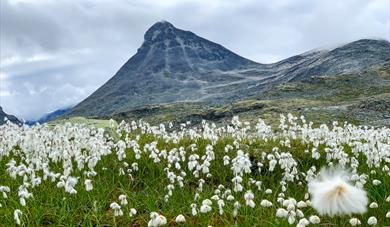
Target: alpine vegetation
<point x="244" y="174"/>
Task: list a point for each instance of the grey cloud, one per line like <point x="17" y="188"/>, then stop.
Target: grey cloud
<point x="54" y="53"/>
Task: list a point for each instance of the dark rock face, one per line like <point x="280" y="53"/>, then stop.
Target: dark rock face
<point x="171" y="49"/>
<point x="11" y="118"/>
<point x="174" y="65"/>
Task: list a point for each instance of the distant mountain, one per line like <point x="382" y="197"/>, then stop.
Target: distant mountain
<point x="174" y="65"/>
<point x="11" y="118"/>
<point x="50" y="116"/>
<point x="350" y="58"/>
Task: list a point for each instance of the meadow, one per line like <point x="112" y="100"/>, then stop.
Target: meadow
<point x="137" y="174"/>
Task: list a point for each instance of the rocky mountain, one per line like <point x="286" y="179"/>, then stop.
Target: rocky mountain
<point x="11" y="118"/>
<point x="177" y="66"/>
<point x="350" y="58"/>
<point x="50" y="116"/>
<point x="171" y="65"/>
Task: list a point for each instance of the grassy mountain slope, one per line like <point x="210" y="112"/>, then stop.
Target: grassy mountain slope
<point x="361" y="98"/>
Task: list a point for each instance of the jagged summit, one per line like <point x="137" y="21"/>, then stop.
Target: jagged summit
<point x="160" y="31"/>
<point x="167" y="49"/>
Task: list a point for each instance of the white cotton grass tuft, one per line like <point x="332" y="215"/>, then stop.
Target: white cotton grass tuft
<point x="374" y="205"/>
<point x="333" y="194"/>
<point x="17" y="214"/>
<point x="265" y="203"/>
<point x="88" y="185"/>
<point x="116" y="209"/>
<point x="156" y="220"/>
<point x="132" y="212"/>
<point x="372" y="221"/>
<point x="180" y="219"/>
<point x="314" y="219"/>
<point x="123" y="200"/>
<point x="354" y="222"/>
<point x="281" y="213"/>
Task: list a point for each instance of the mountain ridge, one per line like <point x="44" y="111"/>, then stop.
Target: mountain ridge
<point x="174" y="65"/>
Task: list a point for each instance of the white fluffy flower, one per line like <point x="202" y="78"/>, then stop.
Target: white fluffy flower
<point x="314" y="219"/>
<point x="372" y="221"/>
<point x="116" y="208"/>
<point x="180" y="218"/>
<point x="230" y="198"/>
<point x="248" y="196"/>
<point x="206" y="206"/>
<point x="17" y="213"/>
<point x="374" y="205"/>
<point x="354" y="221"/>
<point x="194" y="212"/>
<point x="303" y="222"/>
<point x="237" y="206"/>
<point x="132" y="212"/>
<point x="291" y="217"/>
<point x="301" y="204"/>
<point x="88" y="185"/>
<point x="388" y="214"/>
<point x="156" y="220"/>
<point x="332" y="194"/>
<point x="265" y="203"/>
<point x="123" y="200"/>
<point x="281" y="213"/>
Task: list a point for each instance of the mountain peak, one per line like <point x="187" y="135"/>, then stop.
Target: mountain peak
<point x="160" y="31"/>
<point x="9" y="117"/>
<point x="171" y="65"/>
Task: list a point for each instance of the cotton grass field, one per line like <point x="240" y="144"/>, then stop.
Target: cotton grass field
<point x="241" y="174"/>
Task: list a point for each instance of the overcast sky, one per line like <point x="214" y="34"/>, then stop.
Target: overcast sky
<point x="54" y="53"/>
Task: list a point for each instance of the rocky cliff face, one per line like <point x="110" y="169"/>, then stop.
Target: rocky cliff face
<point x="11" y="118"/>
<point x="174" y="65"/>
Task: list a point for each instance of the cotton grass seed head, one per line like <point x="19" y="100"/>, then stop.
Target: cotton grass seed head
<point x="88" y="185"/>
<point x="372" y="221"/>
<point x="132" y="212"/>
<point x="332" y="194"/>
<point x="17" y="214"/>
<point x="180" y="219"/>
<point x="354" y="222"/>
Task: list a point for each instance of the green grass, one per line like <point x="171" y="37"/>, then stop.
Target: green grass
<point x="98" y="123"/>
<point x="53" y="206"/>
